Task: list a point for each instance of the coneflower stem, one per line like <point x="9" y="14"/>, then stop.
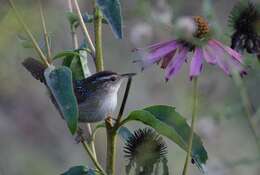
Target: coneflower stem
<point x="29" y="33"/>
<point x="98" y="38"/>
<point x="92" y="157"/>
<point x="194" y="114"/>
<point x="84" y="28"/>
<point x="247" y="106"/>
<point x="46" y="36"/>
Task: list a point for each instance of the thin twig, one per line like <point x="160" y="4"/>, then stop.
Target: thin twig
<point x="46" y="36"/>
<point x="92" y="143"/>
<point x="194" y="114"/>
<point x="84" y="28"/>
<point x="29" y="33"/>
<point x="73" y="32"/>
<point x="98" y="39"/>
<point x="90" y="153"/>
<point x="121" y="111"/>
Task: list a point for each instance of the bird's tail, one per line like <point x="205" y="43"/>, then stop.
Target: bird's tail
<point x="35" y="67"/>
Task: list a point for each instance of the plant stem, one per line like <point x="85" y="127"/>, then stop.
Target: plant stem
<point x="98" y="39"/>
<point x="247" y="106"/>
<point x="46" y="36"/>
<point x="29" y="33"/>
<point x="92" y="144"/>
<point x="194" y="114"/>
<point x="111" y="149"/>
<point x="73" y="32"/>
<point x="121" y="111"/>
<point x="90" y="153"/>
<point x="75" y="45"/>
<point x="84" y="28"/>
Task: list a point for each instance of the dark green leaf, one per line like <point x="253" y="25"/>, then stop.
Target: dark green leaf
<point x="80" y="170"/>
<point x="111" y="9"/>
<point x="59" y="81"/>
<point x="166" y="121"/>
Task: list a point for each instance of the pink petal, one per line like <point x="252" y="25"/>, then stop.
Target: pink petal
<point x="208" y="56"/>
<point x="175" y="65"/>
<point x="160" y="52"/>
<point x="219" y="57"/>
<point x="236" y="65"/>
<point x="154" y="46"/>
<point x="166" y="60"/>
<point x="196" y="63"/>
<point x="230" y="51"/>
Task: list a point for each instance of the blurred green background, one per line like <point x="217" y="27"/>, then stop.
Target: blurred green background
<point x="34" y="139"/>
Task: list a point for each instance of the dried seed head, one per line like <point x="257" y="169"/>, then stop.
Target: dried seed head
<point x="145" y="147"/>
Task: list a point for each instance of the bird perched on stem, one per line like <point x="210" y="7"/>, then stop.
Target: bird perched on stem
<point x="96" y="95"/>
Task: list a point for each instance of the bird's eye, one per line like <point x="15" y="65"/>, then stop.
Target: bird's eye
<point x="113" y="78"/>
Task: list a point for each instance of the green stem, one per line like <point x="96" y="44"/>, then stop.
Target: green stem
<point x="194" y="114"/>
<point x="84" y="28"/>
<point x="92" y="157"/>
<point x="46" y="36"/>
<point x="98" y="39"/>
<point x="247" y="105"/>
<point x="111" y="149"/>
<point x="92" y="143"/>
<point x="73" y="32"/>
<point x="29" y="33"/>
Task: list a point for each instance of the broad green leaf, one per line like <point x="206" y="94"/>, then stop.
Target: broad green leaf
<point x="59" y="81"/>
<point x="80" y="170"/>
<point x="111" y="9"/>
<point x="166" y="121"/>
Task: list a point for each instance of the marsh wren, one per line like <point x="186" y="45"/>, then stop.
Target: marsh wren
<point x="96" y="94"/>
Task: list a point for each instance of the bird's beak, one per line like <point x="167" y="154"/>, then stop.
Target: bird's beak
<point x="128" y="75"/>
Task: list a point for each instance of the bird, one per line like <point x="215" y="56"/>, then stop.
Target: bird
<point x="96" y="95"/>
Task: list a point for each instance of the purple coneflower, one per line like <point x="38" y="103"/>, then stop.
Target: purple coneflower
<point x="172" y="54"/>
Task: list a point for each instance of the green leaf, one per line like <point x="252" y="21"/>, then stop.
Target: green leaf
<point x="166" y="121"/>
<point x="79" y="66"/>
<point x="111" y="9"/>
<point x="77" y="61"/>
<point x="64" y="54"/>
<point x="73" y="20"/>
<point x="80" y="170"/>
<point x="59" y="81"/>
